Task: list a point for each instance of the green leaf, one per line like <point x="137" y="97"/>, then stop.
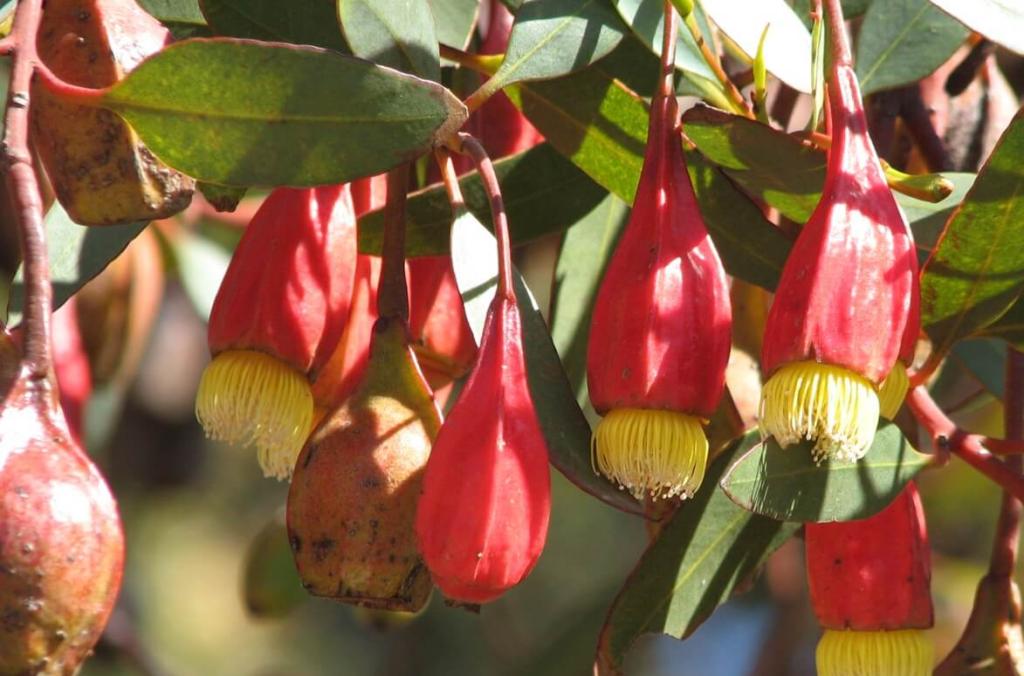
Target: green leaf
<point x="902" y="41"/>
<point x="1009" y="327"/>
<point x="601" y="126"/>
<point x="555" y="37"/>
<point x="976" y="271"/>
<point x="770" y="165"/>
<point x="750" y="247"/>
<point x="394" y="33"/>
<point x="77" y="254"/>
<point x="1000" y="21"/>
<point x="175" y="11"/>
<point x="299" y="22"/>
<point x="454" y="21"/>
<point x="243" y="113"/>
<point x="787" y="49"/>
<point x="647" y="21"/>
<point x="788" y="485"/>
<point x="586" y="250"/>
<point x="222" y="197"/>
<point x="707" y="549"/>
<point x="544" y="193"/>
<point x="565" y="428"/>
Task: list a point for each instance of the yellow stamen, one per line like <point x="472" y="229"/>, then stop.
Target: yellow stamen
<point x="660" y="453"/>
<point x="893" y="391"/>
<point x="247" y="397"/>
<point x="829" y="404"/>
<point x="905" y="652"/>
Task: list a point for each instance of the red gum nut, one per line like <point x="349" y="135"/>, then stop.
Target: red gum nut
<point x="483" y="517"/>
<point x="660" y="335"/>
<point x="287" y="290"/>
<point x="844" y="296"/>
<point x="873" y="574"/>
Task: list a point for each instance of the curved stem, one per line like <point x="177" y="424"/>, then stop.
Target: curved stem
<point x="393" y="294"/>
<point x="67" y="92"/>
<point x="1007" y="539"/>
<point x="948" y="438"/>
<point x="23" y="185"/>
<point x="476" y="151"/>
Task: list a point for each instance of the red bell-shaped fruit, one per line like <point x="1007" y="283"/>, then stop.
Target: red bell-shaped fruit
<point x="483" y="517"/>
<point x="278" y="316"/>
<point x="660" y="334"/>
<point x="869" y="582"/>
<point x="841" y="308"/>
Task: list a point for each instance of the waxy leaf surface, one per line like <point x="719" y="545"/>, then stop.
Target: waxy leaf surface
<point x="300" y="22"/>
<point x="788" y="485"/>
<point x="1000" y="21"/>
<point x="245" y="113"/>
<point x="394" y="33"/>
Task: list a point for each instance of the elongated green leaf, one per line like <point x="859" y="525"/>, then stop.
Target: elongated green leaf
<point x="174" y="11"/>
<point x="976" y="271"/>
<point x="586" y="250"/>
<point x="300" y="22"/>
<point x="788" y="485"/>
<point x="708" y="548"/>
<point x="787" y="48"/>
<point x="646" y="18"/>
<point x="394" y="33"/>
<point x="1000" y="21"/>
<point x="243" y="113"/>
<point x="544" y="193"/>
<point x="555" y="37"/>
<point x="566" y="430"/>
<point x="788" y="175"/>
<point x="454" y="21"/>
<point x="750" y="247"/>
<point x="771" y="165"/>
<point x="901" y="41"/>
<point x="77" y="254"/>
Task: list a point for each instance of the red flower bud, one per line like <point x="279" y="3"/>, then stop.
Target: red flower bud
<point x="277" y="318"/>
<point x="869" y="582"/>
<point x="483" y="517"/>
<point x="840" y="310"/>
<point x="660" y="334"/>
<point x="438" y="327"/>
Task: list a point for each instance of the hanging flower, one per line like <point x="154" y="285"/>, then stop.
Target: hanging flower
<point x="660" y="334"/>
<point x="277" y="317"/>
<point x="869" y="582"/>
<point x="842" y="305"/>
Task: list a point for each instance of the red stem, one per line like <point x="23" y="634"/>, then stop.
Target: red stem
<point x="476" y="151"/>
<point x="393" y="294"/>
<point x="947" y="438"/>
<point x="840" y="44"/>
<point x="668" y="51"/>
<point x="23" y="185"/>
<point x="1007" y="539"/>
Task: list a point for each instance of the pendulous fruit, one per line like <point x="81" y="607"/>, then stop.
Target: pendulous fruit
<point x="100" y="170"/>
<point x="353" y="496"/>
<point x="61" y="544"/>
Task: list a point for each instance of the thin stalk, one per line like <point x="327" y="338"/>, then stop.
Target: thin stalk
<point x="1007" y="539"/>
<point x="668" y="51"/>
<point x="738" y="103"/>
<point x="450" y="179"/>
<point x="485" y="64"/>
<point x="393" y="295"/>
<point x="23" y="186"/>
<point x="476" y="151"/>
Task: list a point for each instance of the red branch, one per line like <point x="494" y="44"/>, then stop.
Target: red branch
<point x="948" y="438"/>
<point x="23" y="186"/>
<point x="472" y="147"/>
